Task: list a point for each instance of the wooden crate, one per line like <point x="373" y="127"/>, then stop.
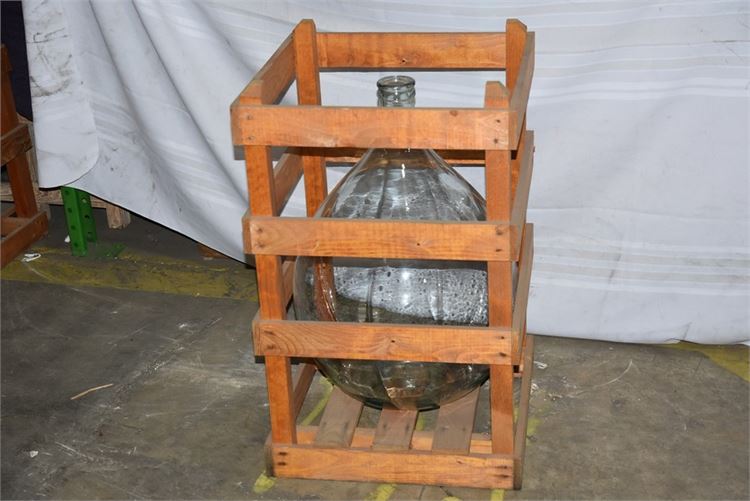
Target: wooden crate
<point x="495" y="137"/>
<point x="117" y="217"/>
<point x="23" y="223"/>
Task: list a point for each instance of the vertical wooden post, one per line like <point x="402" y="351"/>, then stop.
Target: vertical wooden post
<point x="17" y="167"/>
<point x="515" y="42"/>
<point x="270" y="296"/>
<point x="499" y="280"/>
<point x="308" y="92"/>
<point x="514" y="47"/>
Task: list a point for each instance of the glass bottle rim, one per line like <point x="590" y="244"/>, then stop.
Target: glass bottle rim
<point x="393" y="81"/>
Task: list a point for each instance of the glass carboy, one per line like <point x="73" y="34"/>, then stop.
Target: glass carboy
<point x="408" y="184"/>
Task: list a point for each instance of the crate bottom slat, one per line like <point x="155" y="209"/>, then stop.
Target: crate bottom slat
<point x="408" y="467"/>
<point x="394" y="451"/>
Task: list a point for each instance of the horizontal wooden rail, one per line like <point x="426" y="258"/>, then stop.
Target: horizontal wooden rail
<point x="378" y="238"/>
<point x="371" y="127"/>
<point x="520" y="97"/>
<point x="352" y="155"/>
<point x="411" y="51"/>
<point x="272" y="81"/>
<point x="410" y="467"/>
<point x="420" y="440"/>
<point x="370" y="341"/>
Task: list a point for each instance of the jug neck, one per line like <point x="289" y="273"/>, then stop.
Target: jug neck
<point x="396" y="91"/>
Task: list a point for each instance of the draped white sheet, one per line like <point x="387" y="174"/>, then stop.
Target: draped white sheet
<point x="641" y="180"/>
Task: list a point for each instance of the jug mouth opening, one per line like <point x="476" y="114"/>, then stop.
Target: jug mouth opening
<point x="392" y="81"/>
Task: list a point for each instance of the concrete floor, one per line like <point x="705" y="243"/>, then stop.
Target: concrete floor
<point x="185" y="416"/>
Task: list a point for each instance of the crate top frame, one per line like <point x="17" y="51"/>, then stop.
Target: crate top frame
<point x="257" y="119"/>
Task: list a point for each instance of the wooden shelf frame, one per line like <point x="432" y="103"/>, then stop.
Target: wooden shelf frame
<point x="314" y="135"/>
<point x="23" y="223"/>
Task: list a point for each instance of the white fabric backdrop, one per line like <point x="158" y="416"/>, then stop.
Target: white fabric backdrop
<point x="641" y="180"/>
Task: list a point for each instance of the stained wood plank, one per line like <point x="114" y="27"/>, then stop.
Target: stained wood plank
<point x="466" y="241"/>
<point x="501" y="408"/>
<point x="420" y="440"/>
<point x="339" y="420"/>
<point x="523" y="412"/>
<point x="394" y="429"/>
<point x="303" y="378"/>
<point x="367" y="341"/>
<point x="15" y="142"/>
<point x="271" y="296"/>
<point x="352" y="155"/>
<point x="308" y="92"/>
<point x="371" y="127"/>
<point x="9" y="224"/>
<point x="21" y="237"/>
<point x="499" y="198"/>
<point x="515" y="34"/>
<point x="455" y="425"/>
<point x="286" y="175"/>
<point x="412" y="467"/>
<point x="273" y="79"/>
<point x="440" y="51"/>
<point x="522" y="291"/>
<point x="522" y="90"/>
<point x="523" y="186"/>
<point x="117" y="217"/>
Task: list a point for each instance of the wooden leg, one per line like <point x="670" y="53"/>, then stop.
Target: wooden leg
<point x="501" y="405"/>
<point x="117" y="218"/>
<point x="523" y="411"/>
<point x="281" y="400"/>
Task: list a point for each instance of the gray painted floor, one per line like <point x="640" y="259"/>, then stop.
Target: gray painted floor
<point x="186" y="415"/>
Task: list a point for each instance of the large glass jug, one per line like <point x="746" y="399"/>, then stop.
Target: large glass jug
<point x="398" y="184"/>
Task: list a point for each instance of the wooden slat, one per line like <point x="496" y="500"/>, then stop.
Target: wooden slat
<point x="117" y="218"/>
<point x="303" y="378"/>
<point x="286" y="175"/>
<point x="21" y="186"/>
<point x="515" y="34"/>
<point x="420" y="440"/>
<point x="271" y="296"/>
<point x="339" y="420"/>
<point x="368" y="341"/>
<point x="287" y="272"/>
<point x="522" y="291"/>
<point x="273" y="79"/>
<point x="9" y="224"/>
<point x="464" y="240"/>
<point x="523" y="186"/>
<point x="499" y="280"/>
<point x="8" y="116"/>
<point x="523" y="412"/>
<point x="8" y="212"/>
<point x="352" y="155"/>
<point x="15" y="142"/>
<point x="499" y="198"/>
<point x="521" y="90"/>
<point x="439" y="51"/>
<point x="501" y="408"/>
<point x="368" y="127"/>
<point x="455" y="425"/>
<point x="412" y="467"/>
<point x="308" y="92"/>
<point x="394" y="429"/>
<point x="21" y="237"/>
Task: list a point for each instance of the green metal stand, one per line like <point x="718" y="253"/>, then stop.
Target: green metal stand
<point x="80" y="219"/>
